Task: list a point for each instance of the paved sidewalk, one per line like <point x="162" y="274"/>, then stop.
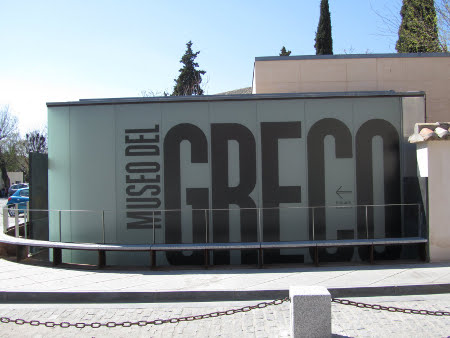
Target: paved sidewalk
<point x="214" y="285"/>
<point x="273" y="321"/>
<point x="128" y="285"/>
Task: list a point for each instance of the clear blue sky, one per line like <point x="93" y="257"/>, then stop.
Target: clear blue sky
<point x="66" y="50"/>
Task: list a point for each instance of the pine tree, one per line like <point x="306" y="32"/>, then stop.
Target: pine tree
<point x="284" y="52"/>
<point x="418" y="32"/>
<point x="324" y="41"/>
<point x="190" y="78"/>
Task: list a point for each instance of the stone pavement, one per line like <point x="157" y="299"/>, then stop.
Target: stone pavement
<point x="128" y="285"/>
<point x="272" y="321"/>
<point x="192" y="285"/>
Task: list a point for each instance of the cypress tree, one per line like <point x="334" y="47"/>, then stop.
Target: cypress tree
<point x="190" y="78"/>
<point x="284" y="52"/>
<point x="324" y="41"/>
<point x="418" y="32"/>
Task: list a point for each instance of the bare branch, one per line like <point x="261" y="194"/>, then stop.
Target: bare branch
<point x="8" y="123"/>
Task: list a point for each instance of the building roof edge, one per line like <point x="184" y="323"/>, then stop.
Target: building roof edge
<point x="349" y="56"/>
<point x="241" y="97"/>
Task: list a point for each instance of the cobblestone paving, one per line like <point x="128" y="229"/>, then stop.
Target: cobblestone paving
<point x="349" y="321"/>
<point x="272" y="321"/>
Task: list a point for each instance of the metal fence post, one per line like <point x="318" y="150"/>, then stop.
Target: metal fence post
<point x="260" y="234"/>
<point x="5" y="220"/>
<point x="153" y="228"/>
<point x="25" y="220"/>
<point x="419" y="221"/>
<point x="103" y="227"/>
<point x="313" y="224"/>
<point x="367" y="224"/>
<point x="206" y="251"/>
<point x="260" y="239"/>
<point x="59" y="225"/>
<point x="16" y="220"/>
<point x="206" y="226"/>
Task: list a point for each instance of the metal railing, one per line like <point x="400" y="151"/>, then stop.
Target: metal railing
<point x="361" y="220"/>
<point x="16" y="211"/>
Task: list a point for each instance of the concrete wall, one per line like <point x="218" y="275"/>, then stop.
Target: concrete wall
<point x="439" y="199"/>
<point x="341" y="73"/>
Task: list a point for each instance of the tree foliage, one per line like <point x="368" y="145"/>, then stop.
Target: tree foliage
<point x="190" y="78"/>
<point x="418" y="32"/>
<point x="443" y="11"/>
<point x="153" y="93"/>
<point x="8" y="133"/>
<point x="284" y="52"/>
<point x="324" y="41"/>
<point x="14" y="154"/>
<point x="14" y="150"/>
<point x="391" y="21"/>
<point x="36" y="142"/>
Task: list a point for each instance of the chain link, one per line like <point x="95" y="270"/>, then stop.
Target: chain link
<point x="389" y="308"/>
<point x="262" y="305"/>
<point x="96" y="325"/>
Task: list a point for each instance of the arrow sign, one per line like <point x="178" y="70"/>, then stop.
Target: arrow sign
<point x="339" y="192"/>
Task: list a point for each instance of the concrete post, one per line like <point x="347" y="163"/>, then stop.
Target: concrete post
<point x="310" y="311"/>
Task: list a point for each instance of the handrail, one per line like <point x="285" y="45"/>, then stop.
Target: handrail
<point x="210" y="211"/>
<point x="231" y="208"/>
<point x="152" y="248"/>
<point x="199" y="246"/>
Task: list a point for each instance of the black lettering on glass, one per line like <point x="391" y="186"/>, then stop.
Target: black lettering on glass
<point x="316" y="179"/>
<point x="142" y="150"/>
<point x="143" y="131"/>
<point x="273" y="194"/>
<point x="143" y="179"/>
<point x="142" y="167"/>
<point x="198" y="198"/>
<point x="132" y="191"/>
<point x="364" y="184"/>
<point x="172" y="184"/>
<point x="223" y="195"/>
<point x="144" y="219"/>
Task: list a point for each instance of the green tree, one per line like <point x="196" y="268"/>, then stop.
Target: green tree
<point x="190" y="78"/>
<point x="324" y="41"/>
<point x="418" y="32"/>
<point x="284" y="52"/>
<point x="14" y="154"/>
<point x="443" y="12"/>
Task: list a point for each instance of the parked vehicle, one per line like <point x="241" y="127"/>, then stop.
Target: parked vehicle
<point x="15" y="187"/>
<point x="20" y="197"/>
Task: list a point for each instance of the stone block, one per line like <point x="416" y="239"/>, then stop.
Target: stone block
<point x="310" y="311"/>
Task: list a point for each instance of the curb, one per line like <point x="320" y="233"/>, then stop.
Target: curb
<point x="208" y="296"/>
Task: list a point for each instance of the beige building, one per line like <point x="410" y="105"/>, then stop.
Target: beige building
<point x="433" y="157"/>
<point x="427" y="72"/>
<point x="14" y="177"/>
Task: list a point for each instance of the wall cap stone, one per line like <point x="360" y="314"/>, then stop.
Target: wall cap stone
<point x="423" y="132"/>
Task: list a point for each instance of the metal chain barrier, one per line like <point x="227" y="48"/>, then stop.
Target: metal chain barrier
<point x="261" y="305"/>
<point x="96" y="325"/>
<point x="390" y="308"/>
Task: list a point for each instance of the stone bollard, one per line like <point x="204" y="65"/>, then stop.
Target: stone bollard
<point x="310" y="311"/>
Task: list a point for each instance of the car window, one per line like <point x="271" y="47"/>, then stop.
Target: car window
<point x="24" y="192"/>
